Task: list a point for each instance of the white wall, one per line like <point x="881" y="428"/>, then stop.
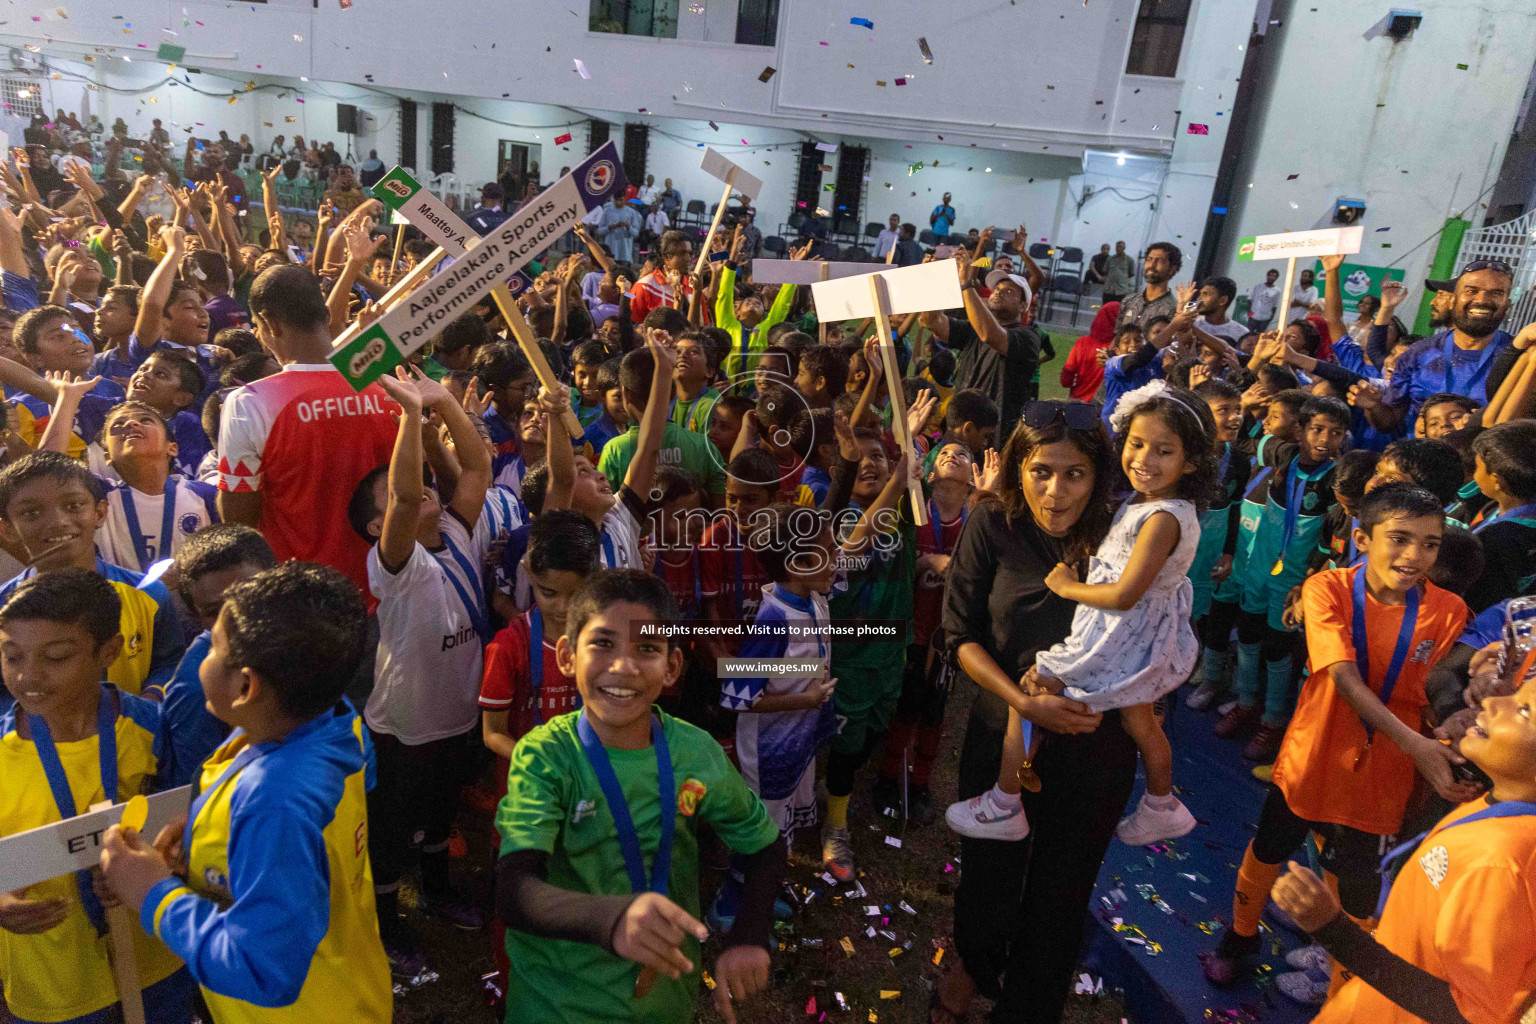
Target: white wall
<point x="1352" y="113"/>
<point x="1044" y="77"/>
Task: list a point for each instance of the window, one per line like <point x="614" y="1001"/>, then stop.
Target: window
<point x="22" y="97"/>
<point x="656" y="18"/>
<point x="1157" y="38"/>
<point x="757" y="22"/>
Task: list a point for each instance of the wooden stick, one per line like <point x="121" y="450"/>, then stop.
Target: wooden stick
<point x="730" y="183"/>
<point x="897" y="396"/>
<point x="121" y="922"/>
<point x="890" y="254"/>
<point x="395" y="263"/>
<point x="1290" y="278"/>
<point x="821" y="327"/>
<point x="530" y="346"/>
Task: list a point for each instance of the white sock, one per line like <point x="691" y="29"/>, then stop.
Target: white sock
<point x="1002" y="802"/>
<point x="1161" y="803"/>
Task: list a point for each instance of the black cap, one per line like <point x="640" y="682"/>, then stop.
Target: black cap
<point x="491" y="190"/>
<point x="1441" y="286"/>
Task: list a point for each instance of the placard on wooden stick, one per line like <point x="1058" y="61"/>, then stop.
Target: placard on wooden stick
<point x="1294" y="245"/>
<point x="737" y="180"/>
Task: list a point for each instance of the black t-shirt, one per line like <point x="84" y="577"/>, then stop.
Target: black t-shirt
<point x="1509" y="563"/>
<point x="1005" y="380"/>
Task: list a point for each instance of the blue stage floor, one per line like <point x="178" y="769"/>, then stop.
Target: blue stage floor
<point x="1179" y="897"/>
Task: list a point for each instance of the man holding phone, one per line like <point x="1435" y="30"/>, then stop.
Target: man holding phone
<point x="942" y="217"/>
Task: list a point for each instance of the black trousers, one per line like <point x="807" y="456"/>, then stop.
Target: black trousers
<point x="1352" y="855"/>
<point x="1021" y="906"/>
<point x="415" y="797"/>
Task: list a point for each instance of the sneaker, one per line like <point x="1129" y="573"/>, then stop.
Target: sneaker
<point x="1265" y="744"/>
<point x="1148" y="824"/>
<point x="405" y="960"/>
<point x="1223" y="965"/>
<point x="1310" y="958"/>
<point x="1309" y="987"/>
<point x="1240" y="721"/>
<point x="463" y="916"/>
<point x="1205" y="697"/>
<point x="920" y="809"/>
<point x="977" y="818"/>
<point x="837" y="852"/>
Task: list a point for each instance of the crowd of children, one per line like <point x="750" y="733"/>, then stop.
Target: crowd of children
<point x="335" y="615"/>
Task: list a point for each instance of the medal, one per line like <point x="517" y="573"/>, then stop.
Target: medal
<point x="1026" y="772"/>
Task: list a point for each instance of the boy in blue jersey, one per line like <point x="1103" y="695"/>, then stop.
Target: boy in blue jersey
<point x="51" y="343"/>
<point x="214" y="559"/>
<point x="71" y="742"/>
<point x="271" y="904"/>
<point x="52" y="505"/>
<point x="598" y="876"/>
<point x="504" y="371"/>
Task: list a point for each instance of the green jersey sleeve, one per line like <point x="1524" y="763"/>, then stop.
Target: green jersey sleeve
<point x="733" y="810"/>
<point x="530" y="815"/>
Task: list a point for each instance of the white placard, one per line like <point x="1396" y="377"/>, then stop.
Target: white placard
<point x="717" y="166"/>
<point x="807" y="271"/>
<point x="1300" y="244"/>
<point x="910" y="290"/>
<point x="74" y="844"/>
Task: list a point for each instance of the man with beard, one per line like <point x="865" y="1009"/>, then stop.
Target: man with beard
<point x="997" y="354"/>
<point x="656" y="288"/>
<point x="1455" y="361"/>
<point x="1163" y="261"/>
<point x="1303" y="298"/>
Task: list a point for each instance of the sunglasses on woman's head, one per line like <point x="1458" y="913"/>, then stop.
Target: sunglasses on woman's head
<point x="1077" y="415"/>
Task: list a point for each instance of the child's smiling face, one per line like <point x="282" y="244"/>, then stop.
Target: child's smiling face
<point x="1502" y="742"/>
<point x="619" y="674"/>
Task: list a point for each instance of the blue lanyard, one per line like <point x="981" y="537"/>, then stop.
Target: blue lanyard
<point x="1502" y="809"/>
<point x="167" y="524"/>
<point x="1522" y="513"/>
<point x="1351" y="554"/>
<point x="1478" y="372"/>
<point x="1360" y="637"/>
<point x="1295" y="486"/>
<point x="608" y="557"/>
<point x="473" y="602"/>
<point x="1226" y="460"/>
<point x="623" y="824"/>
<point x="536" y="660"/>
<point x="58" y="782"/>
<point x="938" y="527"/>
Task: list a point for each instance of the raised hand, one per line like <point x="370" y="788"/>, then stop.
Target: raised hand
<point x="1183" y="292"/>
<point x="1364" y="395"/>
<point x="1392" y="295"/>
<point x="804" y="251"/>
<point x="70" y="386"/>
<point x="987" y="474"/>
<point x="475" y="403"/>
<point x="847" y="441"/>
<point x="1331" y="263"/>
<point x="173" y="239"/>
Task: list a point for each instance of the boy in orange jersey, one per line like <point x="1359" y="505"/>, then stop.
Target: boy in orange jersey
<point x="1373" y="633"/>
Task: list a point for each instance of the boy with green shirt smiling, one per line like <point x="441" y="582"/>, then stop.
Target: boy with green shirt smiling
<point x="598" y="876"/>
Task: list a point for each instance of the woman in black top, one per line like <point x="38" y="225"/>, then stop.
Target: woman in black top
<point x="1020" y="907"/>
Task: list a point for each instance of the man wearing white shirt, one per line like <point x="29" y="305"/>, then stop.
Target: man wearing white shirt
<point x="887" y="238"/>
<point x="1215" y="297"/>
<point x="656" y="222"/>
<point x="1262" y="300"/>
<point x="1303" y="298"/>
<point x="649" y="192"/>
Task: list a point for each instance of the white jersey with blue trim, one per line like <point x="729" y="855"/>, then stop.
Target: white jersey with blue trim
<point x="134" y="539"/>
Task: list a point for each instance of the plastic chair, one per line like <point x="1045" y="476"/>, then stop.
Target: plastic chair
<point x="927" y="237"/>
<point x="692" y="213"/>
<point x="1066" y="286"/>
<point x="856" y="254"/>
<point x="873" y="229"/>
<point x="777" y="246"/>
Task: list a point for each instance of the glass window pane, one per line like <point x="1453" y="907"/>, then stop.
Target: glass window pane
<point x="757" y="22"/>
<point x="1157" y="38"/>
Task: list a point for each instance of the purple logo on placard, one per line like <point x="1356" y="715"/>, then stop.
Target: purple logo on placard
<point x="599" y="177"/>
<point x="519" y="283"/>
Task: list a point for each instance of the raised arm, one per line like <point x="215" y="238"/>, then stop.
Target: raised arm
<point x="1158" y="537"/>
<point x="983" y="322"/>
<point x="642" y="467"/>
<point x="598" y="256"/>
<point x="1333" y="302"/>
<point x="397" y="539"/>
<point x="152" y="303"/>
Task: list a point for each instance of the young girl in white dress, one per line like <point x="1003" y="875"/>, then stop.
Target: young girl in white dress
<point x="1131" y="641"/>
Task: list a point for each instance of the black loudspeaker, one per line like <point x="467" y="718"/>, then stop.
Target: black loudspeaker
<point x="442" y="138"/>
<point x="636" y="144"/>
<point x="407" y="133"/>
<point x="346" y="119"/>
<point x="597" y="134"/>
<point x="808" y="181"/>
<point x="852" y="165"/>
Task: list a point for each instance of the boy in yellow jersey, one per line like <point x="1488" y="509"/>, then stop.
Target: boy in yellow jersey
<point x="746" y="319"/>
<point x="70" y="742"/>
<point x="52" y="505"/>
<point x="272" y="904"/>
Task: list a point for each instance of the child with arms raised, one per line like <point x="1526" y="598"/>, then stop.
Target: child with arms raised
<point x="1131" y="639"/>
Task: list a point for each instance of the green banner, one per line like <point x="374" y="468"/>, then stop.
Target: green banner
<point x="395" y="188"/>
<point x="1358" y="279"/>
<point x="1245" y="248"/>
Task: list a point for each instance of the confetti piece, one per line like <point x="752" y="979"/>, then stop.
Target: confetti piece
<point x="581" y="69"/>
<point x="879" y="83"/>
<point x="561" y="140"/>
<point x="847" y="945"/>
<point x="709" y="982"/>
<point x="695" y="8"/>
<point x="862" y="21"/>
<point x="810" y="1006"/>
<point x="890" y="993"/>
<point x="1461" y="67"/>
<point x="1380" y="230"/>
<point x="1199" y="129"/>
<point x="904" y="905"/>
<point x="895" y="951"/>
<point x="768" y="73"/>
<point x="134" y="814"/>
<point x="893" y="841"/>
<point x="233" y="100"/>
<point x="873" y="1017"/>
<point x="938" y="956"/>
<point x="901" y="81"/>
<point x="346" y="5"/>
<point x="841" y="1000"/>
<point x="823" y="44"/>
<point x="871" y="911"/>
<point x="826" y="876"/>
<point x="826" y="147"/>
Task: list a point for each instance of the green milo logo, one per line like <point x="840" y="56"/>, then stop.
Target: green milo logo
<point x="395" y="188"/>
<point x="370" y="355"/>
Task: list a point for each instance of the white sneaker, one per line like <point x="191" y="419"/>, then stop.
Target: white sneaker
<point x="1309" y="988"/>
<point x="1147" y="824"/>
<point x="977" y="818"/>
<point x="1310" y="958"/>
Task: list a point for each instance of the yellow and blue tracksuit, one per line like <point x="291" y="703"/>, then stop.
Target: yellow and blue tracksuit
<point x="745" y="341"/>
<point x="192" y="733"/>
<point x="151" y="629"/>
<point x="276" y="918"/>
<point x="63" y="974"/>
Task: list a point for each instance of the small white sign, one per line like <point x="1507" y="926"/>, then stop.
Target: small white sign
<point x="74" y="844"/>
<point x="717" y="166"/>
<point x="807" y="271"/>
<point x="1300" y="244"/>
<point x="909" y="290"/>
